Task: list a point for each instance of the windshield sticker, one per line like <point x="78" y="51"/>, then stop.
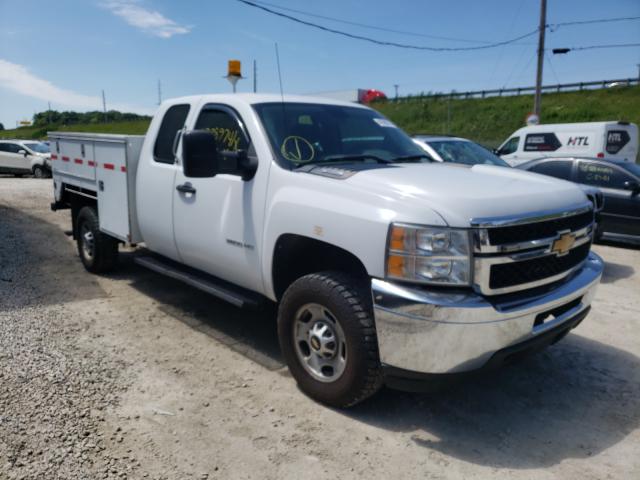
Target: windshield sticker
<point x="297" y="149"/>
<point x="383" y="122"/>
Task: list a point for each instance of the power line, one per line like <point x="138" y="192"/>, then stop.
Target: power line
<point x="588" y="22"/>
<point x="386" y="43"/>
<point x="372" y="27"/>
<point x="618" y="45"/>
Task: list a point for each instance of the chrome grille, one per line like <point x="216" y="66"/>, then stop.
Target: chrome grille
<point x="520" y="253"/>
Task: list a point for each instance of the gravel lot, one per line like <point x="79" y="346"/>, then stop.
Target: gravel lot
<point x="133" y="375"/>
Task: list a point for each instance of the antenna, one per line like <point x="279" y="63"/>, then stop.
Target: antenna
<point x="104" y="106"/>
<point x="279" y="73"/>
<point x="255" y="77"/>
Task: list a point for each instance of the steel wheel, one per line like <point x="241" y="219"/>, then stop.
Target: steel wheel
<point x="320" y="342"/>
<point x="87" y="240"/>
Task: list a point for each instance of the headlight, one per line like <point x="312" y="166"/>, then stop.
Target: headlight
<point x="429" y="255"/>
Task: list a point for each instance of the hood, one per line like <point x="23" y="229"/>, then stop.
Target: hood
<point x="459" y="193"/>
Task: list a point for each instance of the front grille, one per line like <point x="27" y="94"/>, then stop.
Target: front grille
<point x="512" y="274"/>
<point x="538" y="230"/>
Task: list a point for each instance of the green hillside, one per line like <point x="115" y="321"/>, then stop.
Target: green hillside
<point x="136" y="127"/>
<point x="491" y="120"/>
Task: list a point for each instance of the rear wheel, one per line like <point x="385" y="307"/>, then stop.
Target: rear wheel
<point x="38" y="172"/>
<point x="328" y="338"/>
<point x="98" y="251"/>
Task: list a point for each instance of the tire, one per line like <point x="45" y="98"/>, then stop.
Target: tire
<point x="39" y="172"/>
<point x="336" y="309"/>
<point x="98" y="251"/>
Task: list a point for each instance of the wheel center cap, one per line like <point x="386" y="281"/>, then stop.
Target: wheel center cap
<point x="315" y="343"/>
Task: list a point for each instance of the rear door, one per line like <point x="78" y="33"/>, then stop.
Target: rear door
<point x="155" y="181"/>
<point x="621" y="212"/>
<point x="217" y="226"/>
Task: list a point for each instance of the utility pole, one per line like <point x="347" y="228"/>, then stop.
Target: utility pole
<point x="159" y="92"/>
<point x="49" y="113"/>
<point x="541" y="31"/>
<point x="255" y="77"/>
<point x="396" y="87"/>
<point x="104" y="106"/>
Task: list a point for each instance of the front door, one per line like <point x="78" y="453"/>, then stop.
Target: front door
<point x="218" y="220"/>
<point x="14" y="161"/>
<point x="621" y="213"/>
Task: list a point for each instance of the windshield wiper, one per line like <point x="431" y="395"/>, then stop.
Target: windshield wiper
<point x="408" y="158"/>
<point x="349" y="158"/>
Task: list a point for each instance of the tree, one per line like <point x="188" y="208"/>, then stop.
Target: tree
<point x="1" y="126"/>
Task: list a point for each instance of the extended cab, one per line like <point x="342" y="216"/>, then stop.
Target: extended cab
<point x="386" y="267"/>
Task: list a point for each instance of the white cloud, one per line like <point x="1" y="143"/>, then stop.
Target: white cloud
<point x="149" y="21"/>
<point x="17" y="78"/>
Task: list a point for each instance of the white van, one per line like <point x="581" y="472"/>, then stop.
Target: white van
<point x="615" y="140"/>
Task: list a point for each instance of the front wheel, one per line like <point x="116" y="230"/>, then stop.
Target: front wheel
<point x="38" y="172"/>
<point x="98" y="251"/>
<point x="328" y="338"/>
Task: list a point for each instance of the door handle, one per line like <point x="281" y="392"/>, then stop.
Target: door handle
<point x="186" y="188"/>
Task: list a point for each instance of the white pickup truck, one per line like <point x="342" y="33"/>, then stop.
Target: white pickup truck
<point x="387" y="267"/>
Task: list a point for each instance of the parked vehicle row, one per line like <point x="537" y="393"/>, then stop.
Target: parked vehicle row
<point x="25" y="157"/>
<point x="387" y="266"/>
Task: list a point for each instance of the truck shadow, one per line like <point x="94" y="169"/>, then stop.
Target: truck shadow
<point x="616" y="271"/>
<point x="252" y="333"/>
<point x="573" y="400"/>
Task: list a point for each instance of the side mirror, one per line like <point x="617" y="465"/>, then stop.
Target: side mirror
<point x="23" y="153"/>
<point x="633" y="186"/>
<point x="199" y="154"/>
<point x="201" y="158"/>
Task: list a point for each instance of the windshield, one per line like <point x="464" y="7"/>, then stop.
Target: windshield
<point x="37" y="147"/>
<point x="634" y="168"/>
<point x="468" y="153"/>
<point x="306" y="133"/>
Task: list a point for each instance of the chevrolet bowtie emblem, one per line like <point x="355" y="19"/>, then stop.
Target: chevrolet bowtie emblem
<point x="563" y="243"/>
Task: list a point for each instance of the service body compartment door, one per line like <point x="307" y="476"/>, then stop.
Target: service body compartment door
<point x="113" y="198"/>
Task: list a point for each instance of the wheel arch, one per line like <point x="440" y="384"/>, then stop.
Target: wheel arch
<point x="296" y="255"/>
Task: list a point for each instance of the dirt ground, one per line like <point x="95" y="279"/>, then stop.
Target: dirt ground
<point x="133" y="375"/>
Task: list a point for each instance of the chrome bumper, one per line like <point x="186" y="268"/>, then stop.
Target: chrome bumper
<point x="438" y="331"/>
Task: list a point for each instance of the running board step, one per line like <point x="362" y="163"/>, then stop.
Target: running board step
<point x="202" y="281"/>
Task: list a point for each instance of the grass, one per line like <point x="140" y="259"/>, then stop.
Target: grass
<point x="137" y="127"/>
<point x="491" y="120"/>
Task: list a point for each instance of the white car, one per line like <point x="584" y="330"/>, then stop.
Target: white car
<point x="457" y="150"/>
<point x="24" y="157"/>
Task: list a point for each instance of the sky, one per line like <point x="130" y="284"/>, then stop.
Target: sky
<point x="67" y="52"/>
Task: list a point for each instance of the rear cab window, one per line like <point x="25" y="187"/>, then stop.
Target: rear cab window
<point x="172" y="122"/>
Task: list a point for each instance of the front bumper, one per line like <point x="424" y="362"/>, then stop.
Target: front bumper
<point x="423" y="331"/>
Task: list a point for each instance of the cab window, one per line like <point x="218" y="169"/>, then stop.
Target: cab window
<point x="510" y="147"/>
<point x="602" y="175"/>
<point x="173" y="121"/>
<point x="554" y="168"/>
<point x="225" y="126"/>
